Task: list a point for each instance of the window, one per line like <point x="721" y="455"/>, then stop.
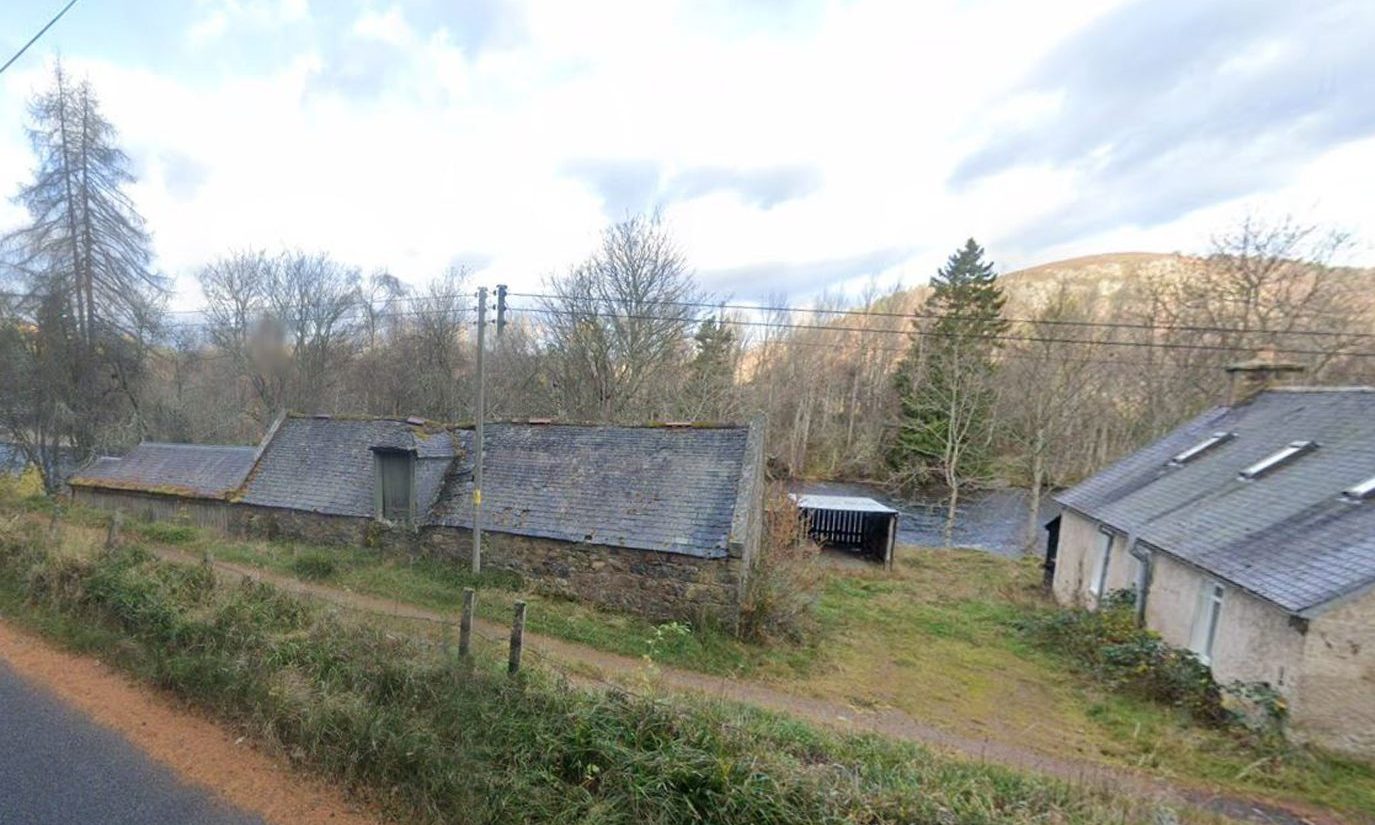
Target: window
<point x="1205" y="621"/>
<point x="1360" y="492"/>
<point x="1277" y="459"/>
<point x="1202" y="447"/>
<point x="394" y="482"/>
<point x="1100" y="566"/>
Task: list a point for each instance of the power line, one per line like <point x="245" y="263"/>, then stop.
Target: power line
<point x="933" y="334"/>
<point x="34" y="39"/>
<point x="847" y="313"/>
<point x="873" y="313"/>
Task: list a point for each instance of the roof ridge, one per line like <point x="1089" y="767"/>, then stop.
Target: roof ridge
<point x="1335" y="388"/>
<point x="180" y="444"/>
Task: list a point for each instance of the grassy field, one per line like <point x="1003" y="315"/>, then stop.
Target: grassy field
<point x="939" y="637"/>
<point x="435" y="740"/>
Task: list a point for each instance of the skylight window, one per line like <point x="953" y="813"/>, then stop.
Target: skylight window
<point x="1360" y="492"/>
<point x="1201" y="447"/>
<point x="1277" y="459"/>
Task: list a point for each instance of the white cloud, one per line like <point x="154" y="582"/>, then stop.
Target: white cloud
<point x="424" y="149"/>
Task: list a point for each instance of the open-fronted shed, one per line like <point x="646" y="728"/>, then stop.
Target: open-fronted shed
<point x="851" y="522"/>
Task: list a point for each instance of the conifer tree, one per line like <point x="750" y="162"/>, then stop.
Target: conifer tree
<point x="944" y="383"/>
<point x="83" y="263"/>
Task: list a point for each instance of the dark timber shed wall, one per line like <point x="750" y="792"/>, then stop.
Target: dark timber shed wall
<point x="200" y="512"/>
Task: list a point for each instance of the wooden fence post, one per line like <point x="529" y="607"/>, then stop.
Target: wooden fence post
<point x="517" y="639"/>
<point x="112" y="530"/>
<point x="465" y="624"/>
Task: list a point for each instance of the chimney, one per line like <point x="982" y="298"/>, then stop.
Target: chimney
<point x="1246" y="378"/>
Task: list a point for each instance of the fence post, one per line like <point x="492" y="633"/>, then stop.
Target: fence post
<point x="112" y="530"/>
<point x="517" y="639"/>
<point x="55" y="524"/>
<point x="465" y="624"/>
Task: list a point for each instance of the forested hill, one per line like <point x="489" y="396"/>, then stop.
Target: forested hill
<point x="1103" y="274"/>
<point x="1103" y="353"/>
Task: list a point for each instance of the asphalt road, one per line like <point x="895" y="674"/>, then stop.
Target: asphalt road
<point x="59" y="768"/>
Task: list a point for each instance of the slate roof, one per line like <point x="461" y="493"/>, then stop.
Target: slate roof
<point x="1288" y="537"/>
<point x="670" y="489"/>
<point x="325" y="465"/>
<point x="194" y="470"/>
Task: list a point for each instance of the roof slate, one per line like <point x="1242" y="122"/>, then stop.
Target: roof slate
<point x="197" y="470"/>
<point x="1287" y="537"/>
<point x="668" y="489"/>
<point x="325" y="465"/>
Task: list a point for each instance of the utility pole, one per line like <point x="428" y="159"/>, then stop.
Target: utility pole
<point x="477" y="436"/>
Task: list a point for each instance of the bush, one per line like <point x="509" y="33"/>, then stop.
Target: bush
<point x="782" y="587"/>
<point x="1108" y="644"/>
<point x="166" y="532"/>
<point x="315" y="565"/>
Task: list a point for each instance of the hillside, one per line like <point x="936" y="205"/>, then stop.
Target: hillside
<point x="1088" y="276"/>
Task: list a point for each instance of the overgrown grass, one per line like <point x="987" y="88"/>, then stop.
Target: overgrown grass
<point x="941" y="637"/>
<point x="400" y="721"/>
<point x="945" y="638"/>
<point x="438" y="584"/>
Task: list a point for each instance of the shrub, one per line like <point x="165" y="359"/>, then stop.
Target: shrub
<point x="1108" y="644"/>
<point x="315" y="565"/>
<point x="782" y="587"/>
<point x="167" y="532"/>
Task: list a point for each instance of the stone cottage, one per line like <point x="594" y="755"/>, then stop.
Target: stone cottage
<point x="663" y="521"/>
<point x="1248" y="536"/>
<point x="190" y="482"/>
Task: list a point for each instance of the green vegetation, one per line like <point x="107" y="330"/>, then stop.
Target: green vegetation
<point x="1110" y="646"/>
<point x="437" y="584"/>
<point x="945" y="637"/>
<point x="943" y="384"/>
<point x="432" y="740"/>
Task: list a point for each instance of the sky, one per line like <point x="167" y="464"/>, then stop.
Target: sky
<point x="790" y="146"/>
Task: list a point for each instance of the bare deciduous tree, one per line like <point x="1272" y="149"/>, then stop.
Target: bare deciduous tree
<point x="618" y="324"/>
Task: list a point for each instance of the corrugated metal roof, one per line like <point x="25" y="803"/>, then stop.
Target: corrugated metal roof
<point x="1288" y="536"/>
<point x="854" y="504"/>
<point x="196" y="470"/>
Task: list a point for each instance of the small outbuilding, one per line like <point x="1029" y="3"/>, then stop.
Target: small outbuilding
<point x="190" y="482"/>
<point x="852" y="523"/>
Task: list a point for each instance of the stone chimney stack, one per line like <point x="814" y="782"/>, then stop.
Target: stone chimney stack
<point x="1246" y="378"/>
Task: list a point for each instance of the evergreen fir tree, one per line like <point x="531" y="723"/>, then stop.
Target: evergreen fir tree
<point x="944" y="383"/>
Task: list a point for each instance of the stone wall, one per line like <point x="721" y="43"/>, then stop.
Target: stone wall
<point x="318" y="528"/>
<point x="1336" y="707"/>
<point x="140" y="506"/>
<point x="658" y="586"/>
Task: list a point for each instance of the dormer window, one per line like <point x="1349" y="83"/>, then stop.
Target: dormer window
<point x="395" y="484"/>
<point x="1277" y="459"/>
<point x="1201" y="447"/>
<point x="1360" y="492"/>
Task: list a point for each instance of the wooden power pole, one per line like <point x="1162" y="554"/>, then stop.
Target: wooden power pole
<point x="477" y="436"/>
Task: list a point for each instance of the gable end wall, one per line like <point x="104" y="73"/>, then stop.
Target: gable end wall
<point x="1336" y="708"/>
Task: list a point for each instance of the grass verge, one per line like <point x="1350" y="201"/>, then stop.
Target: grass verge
<point x="433" y="740"/>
